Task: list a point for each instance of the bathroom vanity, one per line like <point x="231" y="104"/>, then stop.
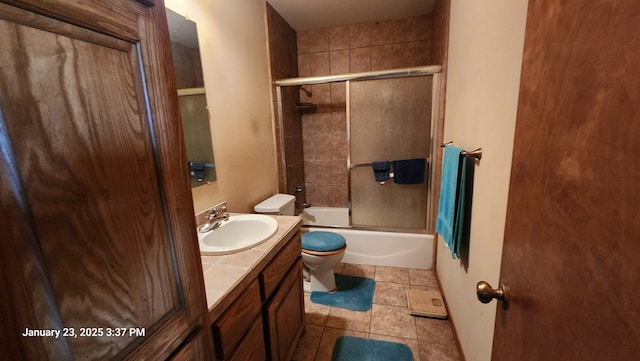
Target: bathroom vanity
<point x="255" y="297"/>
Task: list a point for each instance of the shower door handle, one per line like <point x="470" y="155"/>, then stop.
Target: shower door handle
<point x="486" y="293"/>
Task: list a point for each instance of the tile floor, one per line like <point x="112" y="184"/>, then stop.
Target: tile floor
<point x="389" y="318"/>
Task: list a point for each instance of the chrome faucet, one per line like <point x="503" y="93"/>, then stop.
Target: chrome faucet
<point x="303" y="205"/>
<point x="218" y="215"/>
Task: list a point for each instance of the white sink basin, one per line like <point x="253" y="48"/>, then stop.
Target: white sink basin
<point x="239" y="233"/>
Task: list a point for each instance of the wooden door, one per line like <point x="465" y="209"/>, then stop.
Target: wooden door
<point x="98" y="235"/>
<point x="571" y="259"/>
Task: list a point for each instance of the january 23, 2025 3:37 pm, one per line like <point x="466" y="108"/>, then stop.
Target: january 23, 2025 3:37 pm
<point x="86" y="332"/>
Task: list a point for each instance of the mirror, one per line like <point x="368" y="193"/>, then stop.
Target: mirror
<point x="193" y="102"/>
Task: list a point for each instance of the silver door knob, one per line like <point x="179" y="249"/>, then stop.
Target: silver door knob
<point x="486" y="293"/>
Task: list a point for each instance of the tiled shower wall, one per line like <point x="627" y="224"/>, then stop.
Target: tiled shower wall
<point x="316" y="144"/>
<point x="284" y="64"/>
<point x="380" y="45"/>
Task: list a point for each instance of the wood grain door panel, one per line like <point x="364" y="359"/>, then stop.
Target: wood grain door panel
<point x="97" y="226"/>
<point x="572" y="237"/>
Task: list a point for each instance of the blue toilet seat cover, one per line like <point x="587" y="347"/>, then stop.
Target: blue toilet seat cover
<point x="319" y="241"/>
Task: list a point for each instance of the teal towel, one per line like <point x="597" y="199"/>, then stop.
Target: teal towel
<point x="448" y="192"/>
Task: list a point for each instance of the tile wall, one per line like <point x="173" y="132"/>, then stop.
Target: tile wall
<point x="284" y="64"/>
<point x="316" y="144"/>
<point x="380" y="45"/>
<point x="439" y="55"/>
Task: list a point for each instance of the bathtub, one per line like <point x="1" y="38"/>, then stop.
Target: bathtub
<point x="393" y="249"/>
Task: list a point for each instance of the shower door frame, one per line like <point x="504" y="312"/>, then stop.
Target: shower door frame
<point x="428" y="70"/>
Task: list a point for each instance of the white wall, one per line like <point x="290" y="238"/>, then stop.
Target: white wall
<point x="485" y="54"/>
<point x="233" y="48"/>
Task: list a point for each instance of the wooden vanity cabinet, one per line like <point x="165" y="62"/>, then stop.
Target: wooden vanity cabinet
<point x="277" y="269"/>
<point x="231" y="327"/>
<point x="267" y="319"/>
<point x="252" y="347"/>
<point x="285" y="315"/>
<point x="284" y="303"/>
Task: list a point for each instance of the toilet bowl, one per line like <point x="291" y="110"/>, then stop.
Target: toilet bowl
<point x="321" y="251"/>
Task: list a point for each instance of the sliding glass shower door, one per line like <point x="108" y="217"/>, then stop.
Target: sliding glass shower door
<point x="388" y="119"/>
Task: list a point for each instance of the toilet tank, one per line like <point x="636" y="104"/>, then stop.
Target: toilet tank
<point x="283" y="204"/>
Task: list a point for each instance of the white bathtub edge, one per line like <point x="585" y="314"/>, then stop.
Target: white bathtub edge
<point x="390" y="249"/>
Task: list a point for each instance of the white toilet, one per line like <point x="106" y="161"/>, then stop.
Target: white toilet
<point x="321" y="251"/>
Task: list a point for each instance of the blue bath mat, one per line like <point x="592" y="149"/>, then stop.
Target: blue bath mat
<point x="348" y="348"/>
<point x="354" y="293"/>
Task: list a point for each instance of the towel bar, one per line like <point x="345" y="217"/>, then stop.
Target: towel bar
<point x="477" y="153"/>
<point x="208" y="165"/>
<point x="369" y="164"/>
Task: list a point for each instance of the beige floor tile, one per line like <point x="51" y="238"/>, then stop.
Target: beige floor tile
<point x="430" y="288"/>
<point x="389" y="319"/>
<point x="312" y="335"/>
<point x="436" y="352"/>
<point x="349" y="319"/>
<point x="413" y="344"/>
<point x="392" y="274"/>
<point x="329" y="337"/>
<point x="315" y="313"/>
<point x="434" y="331"/>
<point x="392" y="321"/>
<point x="304" y="353"/>
<point x="422" y="277"/>
<point x="392" y="294"/>
<point x="308" y="344"/>
<point x="359" y="270"/>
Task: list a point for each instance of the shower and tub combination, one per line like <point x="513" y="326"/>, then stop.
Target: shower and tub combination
<point x="344" y="123"/>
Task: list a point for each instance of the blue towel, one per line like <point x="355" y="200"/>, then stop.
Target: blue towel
<point x="448" y="191"/>
<point x="197" y="169"/>
<point x="409" y="171"/>
<point x="381" y="170"/>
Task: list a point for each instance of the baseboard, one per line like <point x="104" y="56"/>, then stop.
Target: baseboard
<point x="451" y="320"/>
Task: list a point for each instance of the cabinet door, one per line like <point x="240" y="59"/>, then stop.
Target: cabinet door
<point x="285" y="315"/>
<point x="194" y="348"/>
<point x="251" y="348"/>
<point x="98" y="236"/>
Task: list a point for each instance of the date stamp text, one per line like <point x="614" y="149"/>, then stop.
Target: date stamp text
<point x="86" y="332"/>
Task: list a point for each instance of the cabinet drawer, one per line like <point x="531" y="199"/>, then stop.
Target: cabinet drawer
<point x="275" y="271"/>
<point x="233" y="323"/>
<point x="252" y="347"/>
